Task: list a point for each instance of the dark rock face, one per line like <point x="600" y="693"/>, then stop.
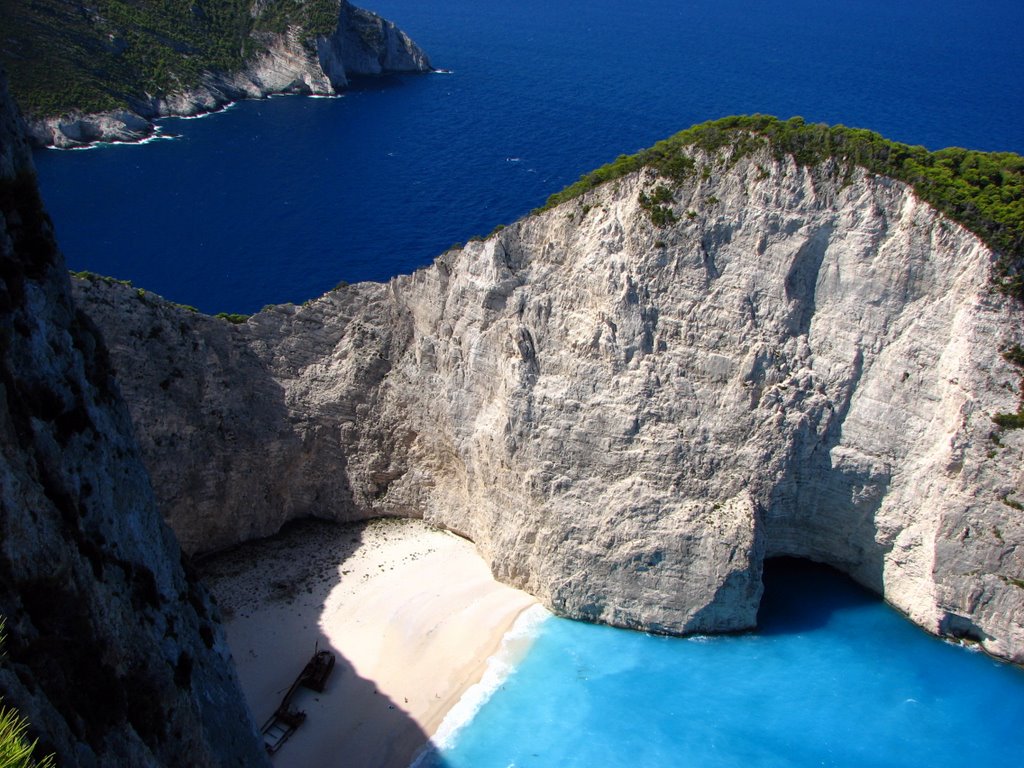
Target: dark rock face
<point x="223" y="429"/>
<point x="371" y="45"/>
<point x="114" y="651"/>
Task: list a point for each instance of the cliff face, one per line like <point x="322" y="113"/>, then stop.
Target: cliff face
<point x="114" y="653"/>
<point x="366" y="44"/>
<point x="294" y="61"/>
<point x="627" y="419"/>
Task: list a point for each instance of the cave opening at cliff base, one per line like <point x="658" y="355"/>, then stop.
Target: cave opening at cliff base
<point x="801" y="595"/>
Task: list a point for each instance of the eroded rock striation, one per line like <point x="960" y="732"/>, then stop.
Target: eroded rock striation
<point x="296" y="60"/>
<point x="629" y="418"/>
<point x="113" y="649"/>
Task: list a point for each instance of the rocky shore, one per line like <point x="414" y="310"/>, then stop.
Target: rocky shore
<point x="292" y="62"/>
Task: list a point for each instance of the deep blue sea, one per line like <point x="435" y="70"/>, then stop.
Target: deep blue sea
<point x="280" y="200"/>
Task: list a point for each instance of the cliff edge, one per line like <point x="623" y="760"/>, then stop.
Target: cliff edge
<point x="113" y="652"/>
<point x="631" y="399"/>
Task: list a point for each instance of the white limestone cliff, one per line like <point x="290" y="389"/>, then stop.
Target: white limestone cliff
<point x="628" y="419"/>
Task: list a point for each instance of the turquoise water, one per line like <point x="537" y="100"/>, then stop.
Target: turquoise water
<point x="832" y="678"/>
<point x="280" y="200"/>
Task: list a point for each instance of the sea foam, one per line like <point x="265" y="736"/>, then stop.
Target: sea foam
<point x="157" y="135"/>
<point x="514" y="646"/>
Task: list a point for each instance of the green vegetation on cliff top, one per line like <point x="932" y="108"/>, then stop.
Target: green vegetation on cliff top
<point x="983" y="191"/>
<point x="65" y="55"/>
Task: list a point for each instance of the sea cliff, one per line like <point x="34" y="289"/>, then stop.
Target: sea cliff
<point x="630" y="400"/>
<point x="113" y="650"/>
<point x="158" y="65"/>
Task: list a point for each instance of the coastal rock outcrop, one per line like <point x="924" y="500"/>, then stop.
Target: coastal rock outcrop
<point x="292" y="61"/>
<point x="366" y="44"/>
<point x="113" y="651"/>
<point x="626" y="412"/>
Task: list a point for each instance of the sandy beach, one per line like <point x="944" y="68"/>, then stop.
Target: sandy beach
<point x="411" y="614"/>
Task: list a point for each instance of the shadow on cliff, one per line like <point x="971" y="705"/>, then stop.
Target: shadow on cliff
<point x="823" y="506"/>
<point x="802" y="596"/>
<point x="824" y="509"/>
<point x="272" y="594"/>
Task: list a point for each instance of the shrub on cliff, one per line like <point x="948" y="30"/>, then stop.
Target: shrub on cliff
<point x="655" y="205"/>
<point x="15" y="748"/>
<point x="983" y="191"/>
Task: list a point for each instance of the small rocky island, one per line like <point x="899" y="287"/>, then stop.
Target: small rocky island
<point x="103" y="71"/>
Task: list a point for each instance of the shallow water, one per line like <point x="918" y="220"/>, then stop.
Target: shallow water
<point x="833" y="677"/>
<point x="279" y="200"/>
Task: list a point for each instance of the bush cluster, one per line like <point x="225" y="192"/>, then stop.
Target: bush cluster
<point x="657" y="206"/>
<point x="983" y="191"/>
<point x="317" y="17"/>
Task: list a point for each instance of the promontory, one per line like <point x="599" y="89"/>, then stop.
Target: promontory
<point x="103" y="71"/>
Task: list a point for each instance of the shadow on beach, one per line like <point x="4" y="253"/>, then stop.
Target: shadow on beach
<point x="271" y="594"/>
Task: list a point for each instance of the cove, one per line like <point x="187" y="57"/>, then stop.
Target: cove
<point x="832" y="677"/>
<point x="279" y="200"/>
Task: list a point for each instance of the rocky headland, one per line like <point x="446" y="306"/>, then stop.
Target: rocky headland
<point x="310" y="47"/>
<point x="632" y="399"/>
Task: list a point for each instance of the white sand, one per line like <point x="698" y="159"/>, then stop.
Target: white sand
<point x="411" y="613"/>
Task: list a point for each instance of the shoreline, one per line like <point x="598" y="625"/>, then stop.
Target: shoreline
<point x="515" y="645"/>
<point x="110" y="127"/>
<point x="135" y="127"/>
<point x="411" y="613"/>
<point x="309" y="55"/>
